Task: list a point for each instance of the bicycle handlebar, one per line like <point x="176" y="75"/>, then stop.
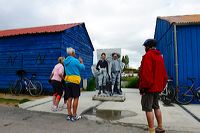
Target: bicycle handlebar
<point x="169" y="80"/>
<point x="33" y="75"/>
<point x="191" y="79"/>
<point x="23" y="72"/>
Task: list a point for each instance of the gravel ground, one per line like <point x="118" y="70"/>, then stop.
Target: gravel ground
<point x="15" y="120"/>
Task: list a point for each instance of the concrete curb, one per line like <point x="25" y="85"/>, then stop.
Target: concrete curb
<point x="86" y="110"/>
<point x="34" y="103"/>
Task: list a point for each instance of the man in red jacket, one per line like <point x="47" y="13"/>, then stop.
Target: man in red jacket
<point x="153" y="78"/>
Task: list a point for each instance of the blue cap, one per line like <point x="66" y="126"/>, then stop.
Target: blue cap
<point x="150" y="43"/>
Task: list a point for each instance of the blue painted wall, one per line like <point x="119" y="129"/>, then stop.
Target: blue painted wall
<point x="38" y="53"/>
<point x="188" y="53"/>
<point x="78" y="38"/>
<point x="188" y="45"/>
<point x="164" y="35"/>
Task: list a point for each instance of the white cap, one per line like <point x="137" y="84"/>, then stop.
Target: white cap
<point x="70" y="50"/>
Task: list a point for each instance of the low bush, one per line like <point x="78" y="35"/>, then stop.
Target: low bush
<point x="126" y="78"/>
<point x="91" y="85"/>
<point x="132" y="82"/>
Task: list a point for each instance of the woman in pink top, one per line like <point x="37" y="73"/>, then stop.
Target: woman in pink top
<point x="56" y="78"/>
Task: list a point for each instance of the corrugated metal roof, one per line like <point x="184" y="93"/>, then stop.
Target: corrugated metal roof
<point x="185" y="19"/>
<point x="34" y="30"/>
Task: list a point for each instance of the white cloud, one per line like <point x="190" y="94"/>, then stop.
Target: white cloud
<point x="111" y="23"/>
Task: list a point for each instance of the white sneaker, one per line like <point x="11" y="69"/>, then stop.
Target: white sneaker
<point x="54" y="108"/>
<point x="64" y="106"/>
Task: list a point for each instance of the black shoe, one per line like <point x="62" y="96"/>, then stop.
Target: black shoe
<point x="99" y="92"/>
<point x="100" y="88"/>
<point x="104" y="90"/>
<point x="119" y="93"/>
<point x="159" y="130"/>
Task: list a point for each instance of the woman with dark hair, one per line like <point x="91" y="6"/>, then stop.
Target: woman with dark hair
<point x="102" y="67"/>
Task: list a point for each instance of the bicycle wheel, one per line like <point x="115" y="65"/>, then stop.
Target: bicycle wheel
<point x="184" y="95"/>
<point x="170" y="93"/>
<point x="35" y="88"/>
<point x="164" y="100"/>
<point x="197" y="92"/>
<point x="168" y="96"/>
<point x="16" y="87"/>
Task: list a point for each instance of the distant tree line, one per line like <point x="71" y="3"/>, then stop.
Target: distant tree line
<point x="125" y="60"/>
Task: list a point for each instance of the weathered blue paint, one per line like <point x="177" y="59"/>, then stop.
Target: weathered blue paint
<point x="188" y="46"/>
<point x="164" y="35"/>
<point x="38" y="53"/>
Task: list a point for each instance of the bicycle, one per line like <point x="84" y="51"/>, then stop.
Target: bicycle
<point x="167" y="96"/>
<point x="31" y="85"/>
<point x="185" y="94"/>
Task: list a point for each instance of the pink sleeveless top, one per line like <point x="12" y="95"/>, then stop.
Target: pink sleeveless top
<point x="57" y="72"/>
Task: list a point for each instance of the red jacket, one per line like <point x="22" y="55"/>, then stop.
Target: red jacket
<point x="152" y="75"/>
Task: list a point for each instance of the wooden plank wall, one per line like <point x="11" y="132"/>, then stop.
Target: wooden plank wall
<point x="77" y="37"/>
<point x="36" y="53"/>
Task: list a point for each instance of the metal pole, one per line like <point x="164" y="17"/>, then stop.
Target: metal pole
<point x="176" y="54"/>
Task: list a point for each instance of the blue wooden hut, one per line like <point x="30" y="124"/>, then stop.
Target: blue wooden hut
<point x="36" y="50"/>
<point x="179" y="41"/>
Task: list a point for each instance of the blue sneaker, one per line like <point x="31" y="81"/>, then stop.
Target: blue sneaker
<point x="68" y="118"/>
<point x="75" y="118"/>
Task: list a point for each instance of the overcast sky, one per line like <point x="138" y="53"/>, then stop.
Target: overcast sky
<point x="110" y="23"/>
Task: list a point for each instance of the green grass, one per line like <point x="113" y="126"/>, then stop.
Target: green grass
<point x="13" y="101"/>
<point x="23" y="101"/>
<point x="4" y="100"/>
<point x="132" y="82"/>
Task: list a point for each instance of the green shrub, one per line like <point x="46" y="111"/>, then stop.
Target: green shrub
<point x="23" y="101"/>
<point x="91" y="85"/>
<point x="126" y="78"/>
<point x="132" y="82"/>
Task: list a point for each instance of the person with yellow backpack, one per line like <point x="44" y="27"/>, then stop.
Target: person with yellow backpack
<point x="73" y="69"/>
